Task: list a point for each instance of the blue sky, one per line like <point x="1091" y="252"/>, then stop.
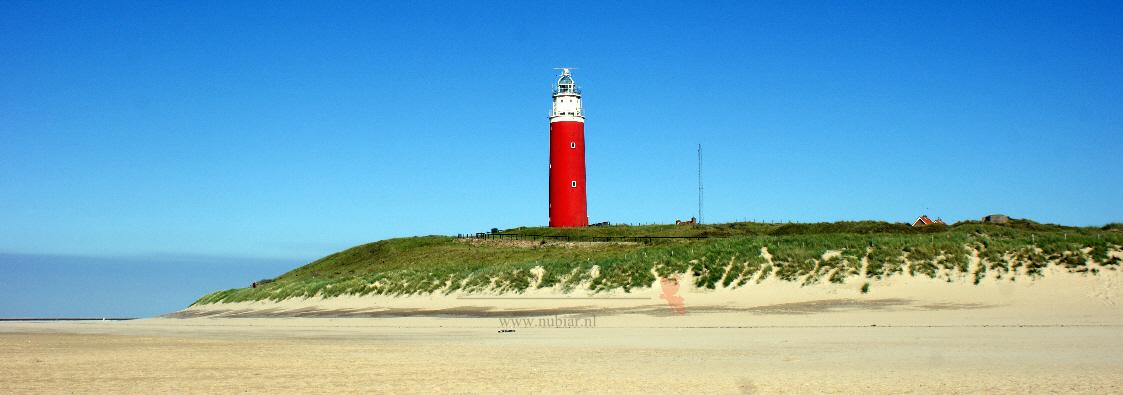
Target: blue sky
<point x="275" y="133"/>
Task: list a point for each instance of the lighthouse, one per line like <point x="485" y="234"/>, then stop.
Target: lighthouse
<point x="567" y="156"/>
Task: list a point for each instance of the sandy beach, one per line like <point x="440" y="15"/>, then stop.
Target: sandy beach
<point x="368" y="355"/>
<point x="1060" y="333"/>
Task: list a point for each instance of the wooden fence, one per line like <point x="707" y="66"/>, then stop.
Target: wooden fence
<point x="518" y="236"/>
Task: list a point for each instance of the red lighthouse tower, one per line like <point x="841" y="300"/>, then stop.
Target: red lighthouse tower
<point x="567" y="156"/>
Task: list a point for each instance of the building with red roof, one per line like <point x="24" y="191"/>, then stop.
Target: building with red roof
<point x="924" y="220"/>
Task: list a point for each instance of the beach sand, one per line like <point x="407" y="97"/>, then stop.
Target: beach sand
<point x="1061" y="333"/>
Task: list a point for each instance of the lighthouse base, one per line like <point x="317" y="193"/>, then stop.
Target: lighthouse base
<point x="567" y="175"/>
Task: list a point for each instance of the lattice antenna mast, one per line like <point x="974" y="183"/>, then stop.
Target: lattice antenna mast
<point x="699" y="183"/>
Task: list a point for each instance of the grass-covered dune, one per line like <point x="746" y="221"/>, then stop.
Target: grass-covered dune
<point x="732" y="255"/>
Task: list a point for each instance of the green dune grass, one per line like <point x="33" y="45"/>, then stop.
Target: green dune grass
<point x="731" y="256"/>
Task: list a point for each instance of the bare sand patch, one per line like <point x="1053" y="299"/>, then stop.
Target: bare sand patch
<point x="1062" y="332"/>
<point x="468" y="355"/>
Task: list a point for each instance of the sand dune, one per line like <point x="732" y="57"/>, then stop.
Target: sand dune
<point x="1057" y="296"/>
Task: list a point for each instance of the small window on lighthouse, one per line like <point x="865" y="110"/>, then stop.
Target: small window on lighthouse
<point x="573" y="184"/>
<point x="572" y="144"/>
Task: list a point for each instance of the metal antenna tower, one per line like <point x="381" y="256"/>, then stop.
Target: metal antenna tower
<point x="699" y="183"/>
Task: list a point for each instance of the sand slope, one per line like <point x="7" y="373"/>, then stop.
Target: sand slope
<point x="1056" y="297"/>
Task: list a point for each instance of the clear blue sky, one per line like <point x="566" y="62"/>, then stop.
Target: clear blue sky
<point x="279" y="132"/>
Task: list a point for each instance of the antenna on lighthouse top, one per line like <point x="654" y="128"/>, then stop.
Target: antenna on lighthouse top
<point x="565" y="70"/>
